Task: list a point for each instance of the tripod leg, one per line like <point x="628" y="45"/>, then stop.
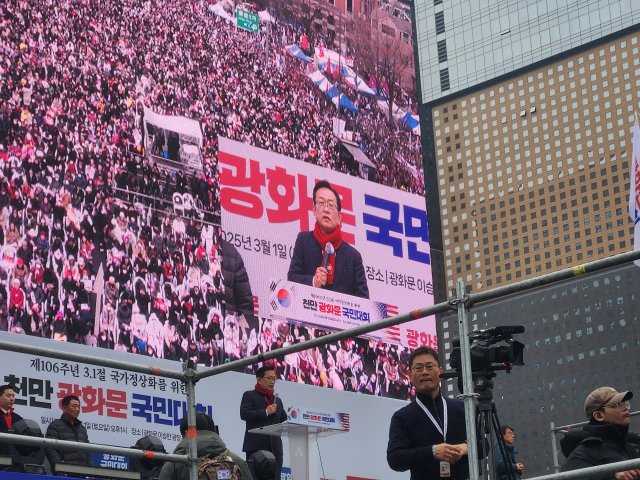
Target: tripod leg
<point x="483" y="427"/>
<point x="501" y="443"/>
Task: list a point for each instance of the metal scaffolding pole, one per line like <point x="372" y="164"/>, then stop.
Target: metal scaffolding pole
<point x="192" y="431"/>
<point x="594" y="472"/>
<point x="468" y="394"/>
<point x="553" y="277"/>
<point x="556" y="464"/>
<point x="333" y="337"/>
<point x="90" y="447"/>
<point x="91" y="360"/>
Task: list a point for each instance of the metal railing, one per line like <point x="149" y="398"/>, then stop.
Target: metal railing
<point x="189" y="376"/>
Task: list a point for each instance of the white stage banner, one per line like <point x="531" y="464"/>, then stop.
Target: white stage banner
<point x="266" y="201"/>
<point x="118" y="407"/>
<point x="317" y="418"/>
<point x="297" y="303"/>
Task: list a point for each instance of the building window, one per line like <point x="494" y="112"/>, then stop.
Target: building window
<point x="442" y="51"/>
<point x="387" y="30"/>
<point x="439" y="23"/>
<point x="444" y="79"/>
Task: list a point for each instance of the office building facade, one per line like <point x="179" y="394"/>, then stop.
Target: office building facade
<point x="580" y="335"/>
<point x="474" y="58"/>
<point x="533" y="172"/>
<point x="527" y="117"/>
<point x="463" y="43"/>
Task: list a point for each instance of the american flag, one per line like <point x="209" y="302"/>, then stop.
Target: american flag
<point x="634" y="195"/>
<point x="392" y="334"/>
<point x="344" y="421"/>
<point x="256" y="305"/>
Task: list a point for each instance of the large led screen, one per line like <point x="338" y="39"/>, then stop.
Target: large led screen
<point x="157" y="165"/>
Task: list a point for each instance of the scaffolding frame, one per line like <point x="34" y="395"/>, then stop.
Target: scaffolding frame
<point x="189" y="375"/>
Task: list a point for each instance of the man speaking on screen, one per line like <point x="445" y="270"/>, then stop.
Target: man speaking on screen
<point x="320" y="257"/>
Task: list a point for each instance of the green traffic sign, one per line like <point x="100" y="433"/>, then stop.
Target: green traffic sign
<point x="247" y="20"/>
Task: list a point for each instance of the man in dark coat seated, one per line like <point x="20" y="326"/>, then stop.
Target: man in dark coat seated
<point x="606" y="439"/>
<point x="68" y="427"/>
<point x="344" y="272"/>
<point x="259" y="408"/>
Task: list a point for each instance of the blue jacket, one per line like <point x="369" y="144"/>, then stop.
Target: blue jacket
<point x="501" y="465"/>
<point x="412" y="434"/>
<point x="349" y="275"/>
<point x="253" y="410"/>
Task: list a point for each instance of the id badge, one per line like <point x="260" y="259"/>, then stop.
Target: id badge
<point x="445" y="469"/>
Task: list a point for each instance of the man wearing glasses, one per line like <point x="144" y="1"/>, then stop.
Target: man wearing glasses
<point x="606" y="439"/>
<point x="428" y="436"/>
<point x="344" y="271"/>
<point x="260" y="408"/>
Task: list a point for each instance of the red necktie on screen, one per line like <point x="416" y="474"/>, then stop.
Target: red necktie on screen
<point x="7" y="417"/>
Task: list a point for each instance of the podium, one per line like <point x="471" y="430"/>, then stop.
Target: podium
<point x="303" y="424"/>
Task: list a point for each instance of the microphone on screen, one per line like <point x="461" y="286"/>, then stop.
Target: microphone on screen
<point x="328" y="251"/>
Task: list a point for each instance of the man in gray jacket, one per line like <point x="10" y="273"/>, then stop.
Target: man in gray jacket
<point x="209" y="442"/>
<point x="68" y="427"/>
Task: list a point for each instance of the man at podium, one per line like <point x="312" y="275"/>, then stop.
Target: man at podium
<point x="261" y="407"/>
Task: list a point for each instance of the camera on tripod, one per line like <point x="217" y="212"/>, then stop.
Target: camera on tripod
<point x="486" y="356"/>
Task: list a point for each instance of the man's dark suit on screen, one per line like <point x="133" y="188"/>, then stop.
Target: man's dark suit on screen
<point x="253" y="410"/>
<point x="349" y="274"/>
<point x="4" y="448"/>
<point x="3" y="422"/>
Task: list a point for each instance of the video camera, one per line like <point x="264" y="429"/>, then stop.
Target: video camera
<point x="486" y="356"/>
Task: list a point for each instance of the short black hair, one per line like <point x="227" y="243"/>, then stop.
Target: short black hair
<point x="203" y="422"/>
<point x="504" y="428"/>
<point x="423" y="351"/>
<point x="67" y="400"/>
<point x="327" y="185"/>
<point x="6" y="387"/>
<point x="262" y="370"/>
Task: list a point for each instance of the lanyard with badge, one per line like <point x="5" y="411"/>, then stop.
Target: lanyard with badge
<point x="445" y="467"/>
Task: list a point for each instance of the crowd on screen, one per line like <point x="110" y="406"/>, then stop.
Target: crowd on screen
<point x="70" y="79"/>
<point x="355" y="365"/>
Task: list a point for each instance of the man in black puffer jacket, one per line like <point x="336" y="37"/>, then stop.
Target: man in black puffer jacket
<point x="606" y="439"/>
<point x="68" y="427"/>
